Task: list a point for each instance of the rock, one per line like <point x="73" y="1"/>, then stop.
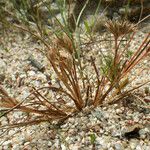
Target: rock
<point x="71" y="120"/>
<point x="31" y="73"/>
<point x="74" y="146"/>
<point x="98" y="114"/>
<point x="144" y="132"/>
<point x="133" y="144"/>
<point x="26" y="143"/>
<point x="119" y="111"/>
<point x="147" y="99"/>
<point x="11" y="132"/>
<point x="49" y="143"/>
<point x="115" y="133"/>
<point x="7" y="144"/>
<point x="111" y="148"/>
<point x="25" y="94"/>
<point x="3" y="121"/>
<point x="96" y="128"/>
<point x="139" y="147"/>
<point x="104" y="142"/>
<point x="118" y="146"/>
<point x="147" y="148"/>
<point x="3" y="65"/>
<point x="52" y="134"/>
<point x="36" y="63"/>
<point x="63" y="147"/>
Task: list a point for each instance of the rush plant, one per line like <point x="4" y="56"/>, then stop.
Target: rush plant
<point x="77" y="89"/>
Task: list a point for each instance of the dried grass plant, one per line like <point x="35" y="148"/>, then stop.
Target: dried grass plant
<point x="75" y="85"/>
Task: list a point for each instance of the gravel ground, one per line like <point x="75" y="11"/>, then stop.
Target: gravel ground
<point x="115" y="127"/>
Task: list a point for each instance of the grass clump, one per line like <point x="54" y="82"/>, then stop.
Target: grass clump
<point x="64" y="55"/>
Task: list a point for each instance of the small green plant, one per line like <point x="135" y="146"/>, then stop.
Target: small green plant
<point x="129" y="53"/>
<point x="92" y="138"/>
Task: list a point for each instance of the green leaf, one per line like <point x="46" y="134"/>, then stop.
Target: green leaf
<point x="87" y="26"/>
<point x="92" y="138"/>
<point x="129" y="54"/>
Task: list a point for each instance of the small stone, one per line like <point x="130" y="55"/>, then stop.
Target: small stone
<point x="52" y="134"/>
<point x="71" y="120"/>
<point x="64" y="126"/>
<point x="96" y="128"/>
<point x="3" y="65"/>
<point x="133" y="144"/>
<point x="31" y="73"/>
<point x="143" y="133"/>
<point x="26" y="143"/>
<point x="147" y="99"/>
<point x="25" y="94"/>
<point x="118" y="146"/>
<point x="111" y="148"/>
<point x="97" y="114"/>
<point x="122" y="10"/>
<point x="139" y="147"/>
<point x="7" y="144"/>
<point x="63" y="147"/>
<point x="116" y="133"/>
<point x="147" y="147"/>
<point x="74" y="146"/>
<point x="101" y="131"/>
<point x="16" y="147"/>
<point x="49" y="143"/>
<point x="104" y="142"/>
<point x="118" y="111"/>
<point x="11" y="132"/>
<point x="84" y="119"/>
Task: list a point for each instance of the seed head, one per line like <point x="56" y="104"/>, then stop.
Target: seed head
<point x="119" y="28"/>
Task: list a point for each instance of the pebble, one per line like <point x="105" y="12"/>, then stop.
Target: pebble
<point x="7" y="143"/>
<point x="16" y="147"/>
<point x="63" y="147"/>
<point x="143" y="133"/>
<point x="49" y="143"/>
<point x="31" y="73"/>
<point x="133" y="144"/>
<point x="2" y="66"/>
<point x="118" y="111"/>
<point x="118" y="146"/>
